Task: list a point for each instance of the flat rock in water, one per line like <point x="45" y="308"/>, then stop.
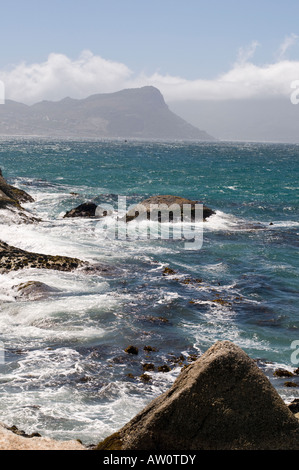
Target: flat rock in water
<point x="170" y="203"/>
<point x="222" y="401"/>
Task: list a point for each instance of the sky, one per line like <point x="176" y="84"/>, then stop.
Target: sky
<point x="191" y="50"/>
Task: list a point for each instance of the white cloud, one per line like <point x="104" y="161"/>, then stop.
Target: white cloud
<point x="288" y="42"/>
<point x="59" y="76"/>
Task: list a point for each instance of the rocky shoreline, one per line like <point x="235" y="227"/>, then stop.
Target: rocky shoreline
<point x="221" y="401"/>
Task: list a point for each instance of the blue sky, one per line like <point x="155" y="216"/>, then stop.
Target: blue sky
<point x="190" y="38"/>
<point x="189" y="49"/>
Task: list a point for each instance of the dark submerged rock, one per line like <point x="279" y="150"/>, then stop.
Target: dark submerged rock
<point x="294" y="406"/>
<point x="87" y="209"/>
<point x="283" y="373"/>
<point x="222" y="401"/>
<point x="132" y="350"/>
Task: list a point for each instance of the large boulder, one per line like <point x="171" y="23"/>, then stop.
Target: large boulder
<point x="145" y="207"/>
<point x="223" y="401"/>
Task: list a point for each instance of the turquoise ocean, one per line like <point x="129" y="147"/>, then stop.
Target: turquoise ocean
<point x="66" y="374"/>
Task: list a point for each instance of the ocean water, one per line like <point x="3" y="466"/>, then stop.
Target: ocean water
<point x="66" y="374"/>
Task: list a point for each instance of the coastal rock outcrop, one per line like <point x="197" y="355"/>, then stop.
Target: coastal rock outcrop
<point x="87" y="209"/>
<point x="11" y="199"/>
<point x="11" y="196"/>
<point x="222" y="401"/>
<point x="12" y="259"/>
<point x="173" y="204"/>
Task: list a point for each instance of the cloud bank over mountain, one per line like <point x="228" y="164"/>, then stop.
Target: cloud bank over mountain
<point x="60" y="76"/>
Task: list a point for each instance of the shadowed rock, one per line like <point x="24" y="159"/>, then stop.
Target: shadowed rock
<point x="222" y="401"/>
<point x="173" y="204"/>
<point x="88" y="209"/>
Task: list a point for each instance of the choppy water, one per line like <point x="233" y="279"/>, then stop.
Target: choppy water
<point x="66" y="374"/>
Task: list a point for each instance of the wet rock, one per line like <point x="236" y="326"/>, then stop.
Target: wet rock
<point x="290" y="384"/>
<point x="34" y="290"/>
<point x="294" y="406"/>
<point x="145" y="378"/>
<point x="174" y="204"/>
<point x="13" y="259"/>
<point x="150" y="349"/>
<point x="11" y="199"/>
<point x="148" y="367"/>
<point x="132" y="350"/>
<point x="164" y="368"/>
<point x="19" y="432"/>
<point x="11" y="195"/>
<point x="222" y="401"/>
<point x="283" y="373"/>
<point x="88" y="209"/>
<point x="168" y="272"/>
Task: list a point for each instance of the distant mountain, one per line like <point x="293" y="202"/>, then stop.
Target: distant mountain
<point x="134" y="113"/>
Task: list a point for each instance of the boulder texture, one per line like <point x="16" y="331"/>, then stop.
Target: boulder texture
<point x="169" y="202"/>
<point x="223" y="401"/>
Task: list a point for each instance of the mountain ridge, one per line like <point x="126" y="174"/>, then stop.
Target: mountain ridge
<point x="129" y="113"/>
